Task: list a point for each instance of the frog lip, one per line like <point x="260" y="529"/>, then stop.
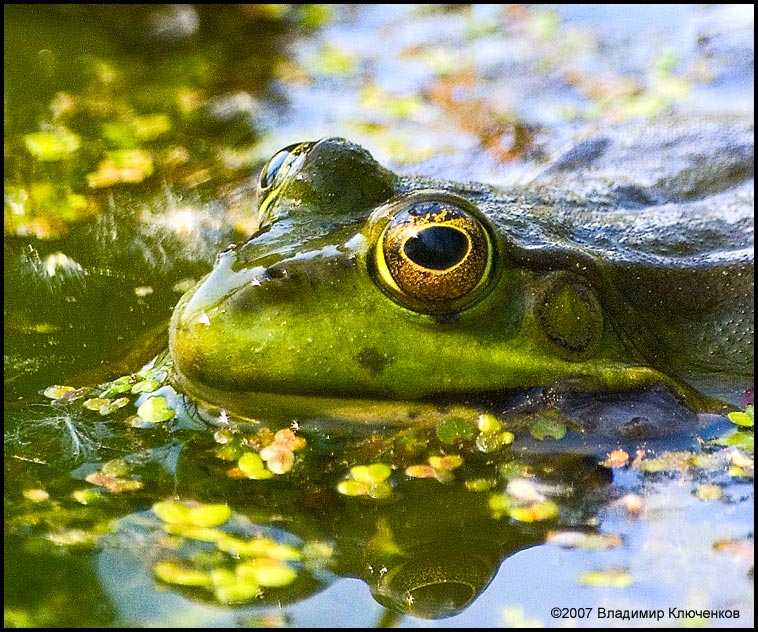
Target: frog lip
<point x="342" y="413"/>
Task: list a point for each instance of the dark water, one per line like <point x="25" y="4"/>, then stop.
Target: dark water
<point x="154" y="122"/>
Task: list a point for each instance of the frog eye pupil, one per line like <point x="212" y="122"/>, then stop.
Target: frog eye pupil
<point x="437" y="247"/>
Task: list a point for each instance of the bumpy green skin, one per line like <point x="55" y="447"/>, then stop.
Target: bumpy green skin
<point x="627" y="261"/>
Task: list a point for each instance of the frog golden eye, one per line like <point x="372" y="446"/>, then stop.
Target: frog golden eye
<point x="435" y="254"/>
<point x="282" y="163"/>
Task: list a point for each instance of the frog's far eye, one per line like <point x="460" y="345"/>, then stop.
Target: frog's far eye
<point x="281" y="164"/>
<point x="434" y="256"/>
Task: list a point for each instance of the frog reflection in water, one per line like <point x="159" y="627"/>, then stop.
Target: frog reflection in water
<point x="626" y="263"/>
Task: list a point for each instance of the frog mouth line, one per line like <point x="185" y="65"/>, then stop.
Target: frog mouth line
<point x="251" y="406"/>
<point x="371" y="413"/>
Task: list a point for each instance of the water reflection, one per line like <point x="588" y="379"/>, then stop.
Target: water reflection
<point x="428" y="550"/>
<point x="173" y="524"/>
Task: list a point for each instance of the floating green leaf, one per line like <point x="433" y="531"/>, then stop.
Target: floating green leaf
<point x="211" y="515"/>
<point x="122" y="165"/>
<point x="56" y="391"/>
<point x="745" y="419"/>
<point x="155" y="410"/>
<point x="737" y="439"/>
<point x="251" y="465"/>
<point x="237" y="592"/>
<point x="261" y="547"/>
<point x="454" y="429"/>
<point x="547" y="427"/>
<point x="52" y="146"/>
<point x="488" y="423"/>
<point x="171" y="511"/>
<point x="372" y="474"/>
<point x="173" y="573"/>
<point x="266" y="571"/>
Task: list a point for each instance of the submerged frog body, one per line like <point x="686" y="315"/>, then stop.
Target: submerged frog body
<point x="626" y="262"/>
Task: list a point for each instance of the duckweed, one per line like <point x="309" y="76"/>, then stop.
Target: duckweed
<point x="745" y="419"/>
<point x="454" y="430"/>
<point x="353" y="488"/>
<point x="201" y="534"/>
<point x="86" y="496"/>
<point x="668" y="461"/>
<point x="96" y="403"/>
<point x="114" y="484"/>
<point x="175" y="512"/>
<point x="73" y="537"/>
<point x="155" y="410"/>
<point x="122" y="165"/>
<point x="278" y="458"/>
<point x="209" y="515"/>
<point x="117" y="386"/>
<point x="36" y="495"/>
<point x="113" y="406"/>
<point x="171" y="511"/>
<point x="116" y="467"/>
<point x="373" y="474"/>
<point x="488" y="423"/>
<point x="440" y="467"/>
<point x="237" y="592"/>
<point x="229" y="452"/>
<point x="252" y="466"/>
<point x="266" y="571"/>
<point x="513" y="469"/>
<point x="420" y="471"/>
<point x="502" y="505"/>
<point x="446" y="463"/>
<point x="259" y="546"/>
<point x="52" y="146"/>
<point x="288" y="439"/>
<point x="709" y="491"/>
<point x="145" y="386"/>
<point x="150" y="126"/>
<point x="56" y="391"/>
<point x="235" y="568"/>
<point x="223" y="577"/>
<point x="175" y="573"/>
<point x="737" y="439"/>
<point x="367" y="480"/>
<point x="499" y="505"/>
<point x="547" y="427"/>
<point x="492" y="441"/>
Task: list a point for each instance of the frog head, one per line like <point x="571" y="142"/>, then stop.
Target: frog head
<point x="364" y="284"/>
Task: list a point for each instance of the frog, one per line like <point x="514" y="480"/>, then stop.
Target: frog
<point x="623" y="263"/>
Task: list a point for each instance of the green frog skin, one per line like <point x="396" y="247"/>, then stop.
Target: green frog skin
<point x="625" y="262"/>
